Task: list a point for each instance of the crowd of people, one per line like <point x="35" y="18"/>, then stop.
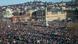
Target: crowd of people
<point x="29" y="34"/>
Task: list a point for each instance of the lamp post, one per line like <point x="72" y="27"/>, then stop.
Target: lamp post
<point x="46" y="22"/>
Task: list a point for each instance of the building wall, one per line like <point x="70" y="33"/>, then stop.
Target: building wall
<point x="49" y="16"/>
<point x="57" y="16"/>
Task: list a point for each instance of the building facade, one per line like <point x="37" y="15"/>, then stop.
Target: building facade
<point x="44" y="16"/>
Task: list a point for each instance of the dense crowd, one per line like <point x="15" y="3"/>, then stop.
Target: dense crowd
<point x="28" y="34"/>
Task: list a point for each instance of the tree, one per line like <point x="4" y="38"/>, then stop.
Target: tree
<point x="7" y="13"/>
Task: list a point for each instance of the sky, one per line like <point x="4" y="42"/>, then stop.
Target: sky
<point x="10" y="2"/>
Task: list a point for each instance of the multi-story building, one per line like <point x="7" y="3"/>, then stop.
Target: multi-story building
<point x="60" y="15"/>
<point x="50" y="15"/>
